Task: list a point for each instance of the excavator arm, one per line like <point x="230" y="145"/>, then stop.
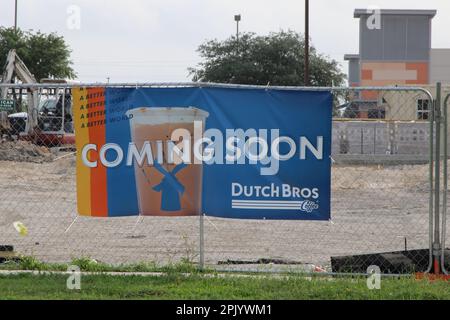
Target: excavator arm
<point x="15" y="65"/>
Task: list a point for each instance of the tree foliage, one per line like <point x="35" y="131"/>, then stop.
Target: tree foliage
<point x="275" y="59"/>
<point x="45" y="55"/>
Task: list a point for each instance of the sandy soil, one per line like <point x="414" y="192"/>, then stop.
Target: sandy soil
<point x="23" y="151"/>
<point x="374" y="209"/>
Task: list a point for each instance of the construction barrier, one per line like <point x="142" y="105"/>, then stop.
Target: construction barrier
<point x="388" y="193"/>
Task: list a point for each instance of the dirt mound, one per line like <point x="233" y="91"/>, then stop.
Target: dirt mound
<point x="24" y="151"/>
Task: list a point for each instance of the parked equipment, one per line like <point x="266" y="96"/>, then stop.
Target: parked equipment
<point x="47" y="118"/>
<point x="15" y="66"/>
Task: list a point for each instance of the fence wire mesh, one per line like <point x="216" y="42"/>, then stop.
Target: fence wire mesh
<point x="380" y="196"/>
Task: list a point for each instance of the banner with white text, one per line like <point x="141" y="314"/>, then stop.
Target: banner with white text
<point x="227" y="152"/>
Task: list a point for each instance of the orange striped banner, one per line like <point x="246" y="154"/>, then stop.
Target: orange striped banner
<point x="89" y="113"/>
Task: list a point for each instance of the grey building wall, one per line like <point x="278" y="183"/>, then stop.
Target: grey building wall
<point x="380" y="138"/>
<point x="402" y="37"/>
<point x="354" y="69"/>
<point x="440" y="66"/>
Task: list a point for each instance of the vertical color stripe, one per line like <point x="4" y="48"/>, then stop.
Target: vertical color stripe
<point x="122" y="194"/>
<point x="82" y="138"/>
<point x="96" y="116"/>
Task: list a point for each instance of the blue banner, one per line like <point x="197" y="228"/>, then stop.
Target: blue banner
<point x="227" y="152"/>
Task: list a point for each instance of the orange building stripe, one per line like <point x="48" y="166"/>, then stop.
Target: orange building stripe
<point x="422" y="72"/>
<point x="97" y="136"/>
<point x="366" y="74"/>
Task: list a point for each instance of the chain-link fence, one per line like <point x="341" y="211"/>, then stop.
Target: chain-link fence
<point x="382" y="201"/>
<point x="380" y="195"/>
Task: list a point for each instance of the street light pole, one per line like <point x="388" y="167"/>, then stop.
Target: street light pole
<point x="15" y="16"/>
<point x="306" y="43"/>
<point x="237" y="18"/>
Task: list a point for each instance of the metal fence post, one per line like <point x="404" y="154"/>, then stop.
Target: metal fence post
<point x="445" y="176"/>
<point x="431" y="180"/>
<point x="201" y="244"/>
<point x="437" y="186"/>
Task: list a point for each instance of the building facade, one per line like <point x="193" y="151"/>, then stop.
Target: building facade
<point x="395" y="50"/>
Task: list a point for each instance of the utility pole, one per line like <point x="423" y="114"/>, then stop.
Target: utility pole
<point x="15" y="16"/>
<point x="237" y="18"/>
<point x="306" y="43"/>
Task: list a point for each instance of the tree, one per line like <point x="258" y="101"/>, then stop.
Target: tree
<point x="10" y="39"/>
<point x="45" y="55"/>
<point x="276" y="59"/>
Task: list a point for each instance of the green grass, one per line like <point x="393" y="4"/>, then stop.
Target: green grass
<point x="177" y="286"/>
<point x="90" y="265"/>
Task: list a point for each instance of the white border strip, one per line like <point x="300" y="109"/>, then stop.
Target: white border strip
<point x="263" y="208"/>
<point x="267" y="204"/>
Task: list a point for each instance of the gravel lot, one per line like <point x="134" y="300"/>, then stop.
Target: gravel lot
<point x="374" y="208"/>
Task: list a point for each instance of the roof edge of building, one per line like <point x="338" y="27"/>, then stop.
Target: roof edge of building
<point x="367" y="12"/>
<point x="348" y="57"/>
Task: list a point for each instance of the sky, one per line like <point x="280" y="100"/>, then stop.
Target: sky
<point x="156" y="40"/>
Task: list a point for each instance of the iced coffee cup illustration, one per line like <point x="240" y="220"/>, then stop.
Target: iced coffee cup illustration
<point x="169" y="186"/>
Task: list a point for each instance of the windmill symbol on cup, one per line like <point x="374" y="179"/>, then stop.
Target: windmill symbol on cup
<point x="171" y="189"/>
